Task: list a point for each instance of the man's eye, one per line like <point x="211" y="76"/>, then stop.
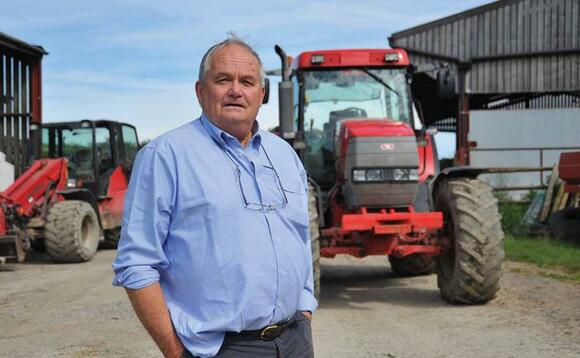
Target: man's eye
<point x="248" y="83"/>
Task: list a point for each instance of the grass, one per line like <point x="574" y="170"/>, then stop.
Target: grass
<point x="512" y="214"/>
<point x="546" y="253"/>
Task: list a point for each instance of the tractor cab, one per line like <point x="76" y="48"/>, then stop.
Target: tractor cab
<point x="338" y="86"/>
<point x="93" y="149"/>
<point x="355" y="113"/>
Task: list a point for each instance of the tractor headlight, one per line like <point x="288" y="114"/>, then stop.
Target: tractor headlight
<point x="369" y="175"/>
<point x="405" y="174"/>
<point x="359" y="175"/>
<point x="71" y="183"/>
<point x="384" y="175"/>
<point x="375" y="175"/>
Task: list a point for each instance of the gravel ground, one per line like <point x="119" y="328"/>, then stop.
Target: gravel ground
<point x="50" y="310"/>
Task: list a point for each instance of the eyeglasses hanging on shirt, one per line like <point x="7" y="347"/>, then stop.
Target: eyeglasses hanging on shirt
<point x="238" y="173"/>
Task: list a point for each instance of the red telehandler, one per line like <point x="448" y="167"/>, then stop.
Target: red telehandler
<point x="374" y="172"/>
<point x="72" y="197"/>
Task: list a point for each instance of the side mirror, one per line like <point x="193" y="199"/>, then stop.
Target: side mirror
<point x="445" y="83"/>
<point x="266" y="90"/>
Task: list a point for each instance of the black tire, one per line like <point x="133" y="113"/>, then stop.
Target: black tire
<point x="470" y="272"/>
<point x="314" y="240"/>
<point x="37" y="244"/>
<point x="412" y="265"/>
<point x="112" y="238"/>
<point x="72" y="232"/>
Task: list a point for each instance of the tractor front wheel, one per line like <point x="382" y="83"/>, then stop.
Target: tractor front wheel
<point x="72" y="232"/>
<point x="470" y="271"/>
<point x="412" y="265"/>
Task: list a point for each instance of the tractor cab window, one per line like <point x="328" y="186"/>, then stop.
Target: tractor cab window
<point x="333" y="96"/>
<point x="130" y="143"/>
<point x="45" y="149"/>
<point x="104" y="152"/>
<point x="77" y="146"/>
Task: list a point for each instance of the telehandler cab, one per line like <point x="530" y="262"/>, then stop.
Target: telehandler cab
<point x="72" y="197"/>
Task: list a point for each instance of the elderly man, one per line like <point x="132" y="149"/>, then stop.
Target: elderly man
<point x="215" y="250"/>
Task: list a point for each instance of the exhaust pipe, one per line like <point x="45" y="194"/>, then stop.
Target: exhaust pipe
<point x="285" y="98"/>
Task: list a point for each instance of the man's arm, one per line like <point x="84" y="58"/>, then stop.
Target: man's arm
<point x="307" y="303"/>
<point x="149" y="305"/>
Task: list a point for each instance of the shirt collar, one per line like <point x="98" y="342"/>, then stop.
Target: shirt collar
<point x="223" y="137"/>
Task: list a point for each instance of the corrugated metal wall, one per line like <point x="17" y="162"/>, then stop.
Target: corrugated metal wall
<point x="19" y="102"/>
<point x="515" y="46"/>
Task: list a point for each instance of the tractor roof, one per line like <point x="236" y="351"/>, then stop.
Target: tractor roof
<point x="77" y="124"/>
<point x="352" y="58"/>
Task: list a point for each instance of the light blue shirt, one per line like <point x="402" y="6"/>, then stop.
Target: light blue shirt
<point x="222" y="266"/>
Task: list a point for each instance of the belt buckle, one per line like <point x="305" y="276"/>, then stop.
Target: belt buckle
<point x="265" y="334"/>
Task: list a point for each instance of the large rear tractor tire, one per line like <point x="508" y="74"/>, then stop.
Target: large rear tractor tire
<point x="314" y="240"/>
<point x="111" y="241"/>
<point x="412" y="265"/>
<point x="72" y="232"/>
<point x="470" y="271"/>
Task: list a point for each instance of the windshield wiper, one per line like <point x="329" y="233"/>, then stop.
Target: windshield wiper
<point x="379" y="80"/>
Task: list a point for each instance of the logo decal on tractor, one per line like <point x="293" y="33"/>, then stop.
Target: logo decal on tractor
<point x="387" y="146"/>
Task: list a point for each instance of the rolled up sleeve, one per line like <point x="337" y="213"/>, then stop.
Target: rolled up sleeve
<point x="147" y="212"/>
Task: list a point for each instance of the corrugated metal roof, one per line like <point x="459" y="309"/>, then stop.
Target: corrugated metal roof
<point x="514" y="46"/>
<point x="20" y="46"/>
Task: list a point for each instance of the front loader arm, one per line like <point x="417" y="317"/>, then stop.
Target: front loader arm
<point x="28" y="197"/>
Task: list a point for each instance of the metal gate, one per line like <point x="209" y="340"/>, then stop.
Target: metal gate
<point x="20" y="101"/>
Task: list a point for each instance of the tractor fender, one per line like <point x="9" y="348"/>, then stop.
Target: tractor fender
<point x="452" y="172"/>
<point x="83" y="195"/>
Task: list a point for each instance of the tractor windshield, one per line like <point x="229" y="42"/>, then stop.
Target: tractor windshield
<point x="330" y="96"/>
<point x="76" y="144"/>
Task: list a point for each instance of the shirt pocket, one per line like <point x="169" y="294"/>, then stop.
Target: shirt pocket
<point x="297" y="207"/>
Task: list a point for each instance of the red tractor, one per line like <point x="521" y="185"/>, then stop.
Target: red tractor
<point x="374" y="171"/>
<point x="73" y="197"/>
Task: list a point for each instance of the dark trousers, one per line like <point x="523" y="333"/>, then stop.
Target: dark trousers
<point x="294" y="342"/>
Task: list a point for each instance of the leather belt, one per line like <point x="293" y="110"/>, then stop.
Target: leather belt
<point x="267" y="333"/>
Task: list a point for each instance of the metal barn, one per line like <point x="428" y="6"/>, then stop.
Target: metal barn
<point x="20" y="100"/>
<point x="506" y="54"/>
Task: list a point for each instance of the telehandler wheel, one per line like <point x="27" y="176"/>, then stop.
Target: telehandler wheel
<point x="412" y="265"/>
<point x="315" y="240"/>
<point x="72" y="232"/>
<point x="470" y="271"/>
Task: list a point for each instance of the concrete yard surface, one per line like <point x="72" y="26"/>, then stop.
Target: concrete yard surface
<point x="71" y="310"/>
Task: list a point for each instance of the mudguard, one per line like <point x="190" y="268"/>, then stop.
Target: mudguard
<point x="83" y="195"/>
<point x="453" y="172"/>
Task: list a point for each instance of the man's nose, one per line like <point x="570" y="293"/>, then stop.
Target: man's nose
<point x="235" y="89"/>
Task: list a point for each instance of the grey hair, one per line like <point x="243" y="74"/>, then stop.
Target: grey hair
<point x="232" y="39"/>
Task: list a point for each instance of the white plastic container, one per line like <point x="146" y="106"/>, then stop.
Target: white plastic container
<point x="6" y="173"/>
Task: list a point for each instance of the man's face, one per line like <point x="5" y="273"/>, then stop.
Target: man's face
<point x="231" y="93"/>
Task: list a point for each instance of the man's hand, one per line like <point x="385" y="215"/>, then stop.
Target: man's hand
<point x="149" y="305"/>
<point x="308" y="314"/>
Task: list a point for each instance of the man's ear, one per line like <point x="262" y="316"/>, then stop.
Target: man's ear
<point x="199" y="91"/>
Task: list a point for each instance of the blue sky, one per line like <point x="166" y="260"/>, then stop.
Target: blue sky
<point x="136" y="61"/>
